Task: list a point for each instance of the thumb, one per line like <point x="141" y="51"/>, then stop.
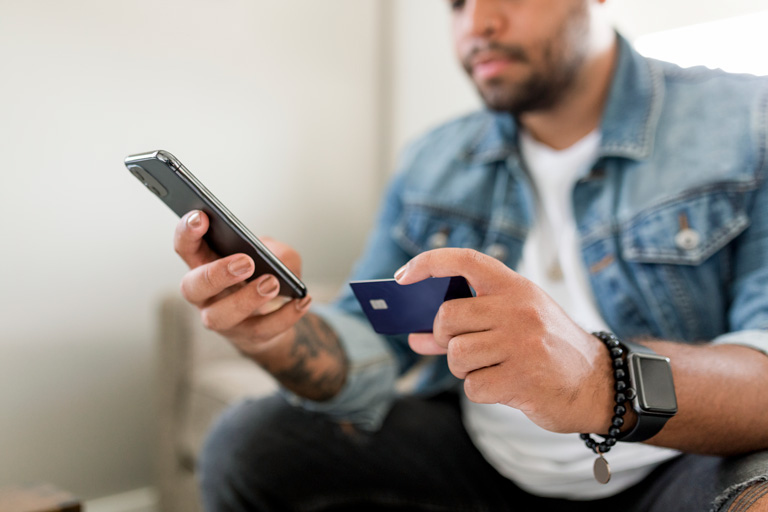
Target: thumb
<point x="425" y="344"/>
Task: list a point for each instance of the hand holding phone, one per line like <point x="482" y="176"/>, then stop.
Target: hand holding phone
<point x="248" y="313"/>
<point x="234" y="278"/>
<point x="182" y="192"/>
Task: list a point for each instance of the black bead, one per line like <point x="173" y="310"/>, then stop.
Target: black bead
<point x="623" y="393"/>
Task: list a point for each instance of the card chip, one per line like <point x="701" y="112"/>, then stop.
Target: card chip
<point x="379" y="304"/>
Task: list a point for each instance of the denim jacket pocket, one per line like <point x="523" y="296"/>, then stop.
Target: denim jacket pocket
<point x="679" y="256"/>
<point x="424" y="226"/>
<point x="686" y="231"/>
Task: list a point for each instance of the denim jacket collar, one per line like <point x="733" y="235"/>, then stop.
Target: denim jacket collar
<point x="629" y="119"/>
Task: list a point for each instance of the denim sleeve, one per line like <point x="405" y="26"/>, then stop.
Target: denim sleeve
<point x="374" y="361"/>
<point x="754" y="338"/>
<point x="748" y="314"/>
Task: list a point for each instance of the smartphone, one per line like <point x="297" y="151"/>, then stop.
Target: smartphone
<point x="168" y="179"/>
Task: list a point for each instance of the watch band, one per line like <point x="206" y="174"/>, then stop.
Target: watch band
<point x="646" y="427"/>
<point x="648" y="423"/>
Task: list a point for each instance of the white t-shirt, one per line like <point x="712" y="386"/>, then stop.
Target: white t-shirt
<point x="537" y="460"/>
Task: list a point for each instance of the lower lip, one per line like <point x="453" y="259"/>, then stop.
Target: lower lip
<point x="490" y="69"/>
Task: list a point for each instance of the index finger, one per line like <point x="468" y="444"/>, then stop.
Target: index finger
<point x="480" y="270"/>
<point x="188" y="239"/>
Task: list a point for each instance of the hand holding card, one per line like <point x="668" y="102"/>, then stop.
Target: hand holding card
<point x="513" y="344"/>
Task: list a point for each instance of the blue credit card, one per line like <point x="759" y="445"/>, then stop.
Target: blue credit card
<point x="401" y="309"/>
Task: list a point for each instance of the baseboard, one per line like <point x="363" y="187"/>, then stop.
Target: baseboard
<point x="138" y="500"/>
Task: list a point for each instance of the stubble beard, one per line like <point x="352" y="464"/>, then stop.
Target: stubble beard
<point x="551" y="76"/>
<point x="542" y="90"/>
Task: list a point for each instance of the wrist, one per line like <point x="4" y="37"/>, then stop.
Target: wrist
<point x="601" y="399"/>
<point x="643" y="381"/>
<point x="269" y="353"/>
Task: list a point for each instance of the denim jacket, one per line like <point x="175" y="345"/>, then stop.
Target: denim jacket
<point x="672" y="217"/>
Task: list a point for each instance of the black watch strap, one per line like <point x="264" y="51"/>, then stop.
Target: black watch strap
<point x="648" y="423"/>
<point x="646" y="427"/>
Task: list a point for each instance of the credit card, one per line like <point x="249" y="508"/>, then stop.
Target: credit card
<point x="402" y="309"/>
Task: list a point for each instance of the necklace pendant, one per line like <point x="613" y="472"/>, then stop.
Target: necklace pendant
<point x="602" y="469"/>
<point x="555" y="271"/>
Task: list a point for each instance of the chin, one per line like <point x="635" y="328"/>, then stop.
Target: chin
<point x="505" y="98"/>
<point x="500" y="100"/>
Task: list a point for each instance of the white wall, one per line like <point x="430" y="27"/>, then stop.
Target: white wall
<point x="272" y="104"/>
<point x="637" y="17"/>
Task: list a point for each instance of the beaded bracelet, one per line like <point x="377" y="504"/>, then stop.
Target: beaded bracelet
<point x="602" y="469"/>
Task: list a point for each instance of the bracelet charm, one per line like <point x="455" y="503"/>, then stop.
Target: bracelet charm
<point x="601" y="468"/>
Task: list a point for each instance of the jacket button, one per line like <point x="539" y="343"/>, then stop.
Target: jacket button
<point x="687" y="239"/>
<point x="438" y="240"/>
<point x="498" y="251"/>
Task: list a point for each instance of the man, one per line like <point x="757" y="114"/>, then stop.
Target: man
<point x="628" y="195"/>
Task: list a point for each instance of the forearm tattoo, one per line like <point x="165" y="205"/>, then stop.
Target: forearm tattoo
<point x="317" y="366"/>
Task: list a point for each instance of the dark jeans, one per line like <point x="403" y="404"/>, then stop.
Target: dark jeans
<point x="268" y="455"/>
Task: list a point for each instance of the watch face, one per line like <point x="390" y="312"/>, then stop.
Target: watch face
<point x="653" y="382"/>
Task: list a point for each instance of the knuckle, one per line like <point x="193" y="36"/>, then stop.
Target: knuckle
<point x="426" y="258"/>
<point x="471" y="388"/>
<point x="439" y="324"/>
<point x="457" y="350"/>
<point x="532" y="315"/>
<point x="476" y="389"/>
<point x="208" y="319"/>
<point x="447" y="314"/>
<point x="208" y="275"/>
<point x="474" y="257"/>
<point x="185" y="290"/>
<point x="457" y="357"/>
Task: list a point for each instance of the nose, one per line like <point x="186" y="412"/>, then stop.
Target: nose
<point x="483" y="18"/>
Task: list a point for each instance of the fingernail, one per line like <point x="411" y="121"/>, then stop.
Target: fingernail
<point x="303" y="303"/>
<point x="194" y="220"/>
<point x="239" y="266"/>
<point x="267" y="285"/>
<point x="400" y="272"/>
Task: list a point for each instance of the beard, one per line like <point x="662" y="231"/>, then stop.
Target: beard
<point x="543" y="88"/>
<point x="552" y="74"/>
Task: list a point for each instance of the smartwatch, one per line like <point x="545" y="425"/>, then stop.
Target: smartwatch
<point x="654" y="400"/>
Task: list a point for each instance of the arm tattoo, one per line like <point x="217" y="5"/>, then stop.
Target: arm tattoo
<point x="317" y="365"/>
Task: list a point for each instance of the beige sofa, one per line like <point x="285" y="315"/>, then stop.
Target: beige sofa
<point x="198" y="374"/>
